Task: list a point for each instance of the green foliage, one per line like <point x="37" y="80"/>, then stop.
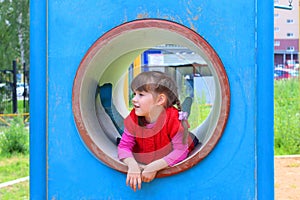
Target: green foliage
<point x="21" y="108"/>
<point x="6" y="106"/>
<point x="14" y="32"/>
<point x="287" y="117"/>
<point x="15" y="138"/>
<point x="199" y="111"/>
<point x="2" y="93"/>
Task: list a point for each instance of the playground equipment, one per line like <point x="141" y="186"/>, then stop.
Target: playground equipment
<point x="93" y="124"/>
<point x="77" y="159"/>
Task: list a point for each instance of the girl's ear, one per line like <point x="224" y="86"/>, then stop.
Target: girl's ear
<point x="162" y="99"/>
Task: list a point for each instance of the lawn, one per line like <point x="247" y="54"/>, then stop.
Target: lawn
<point x="11" y="168"/>
<point x="17" y="191"/>
<point x="14" y="167"/>
<point x="287" y="117"/>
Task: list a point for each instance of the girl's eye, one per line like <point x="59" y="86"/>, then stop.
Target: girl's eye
<point x="138" y="94"/>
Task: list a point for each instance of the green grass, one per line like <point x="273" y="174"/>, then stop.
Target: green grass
<point x="11" y="168"/>
<point x="14" y="167"/>
<point x="7" y="107"/>
<point x="17" y="191"/>
<point x="199" y="112"/>
<point x="287" y="117"/>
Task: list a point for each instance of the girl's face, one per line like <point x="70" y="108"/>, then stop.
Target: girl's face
<point x="145" y="104"/>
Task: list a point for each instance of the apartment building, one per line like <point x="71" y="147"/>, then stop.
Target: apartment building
<point x="286" y="32"/>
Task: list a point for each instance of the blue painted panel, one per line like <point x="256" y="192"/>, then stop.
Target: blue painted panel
<point x="37" y="100"/>
<point x="230" y="169"/>
<point x="265" y="102"/>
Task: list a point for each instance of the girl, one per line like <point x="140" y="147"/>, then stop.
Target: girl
<point x="156" y="133"/>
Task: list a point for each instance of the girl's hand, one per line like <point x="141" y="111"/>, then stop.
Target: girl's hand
<point x="148" y="176"/>
<point x="151" y="169"/>
<point x="133" y="179"/>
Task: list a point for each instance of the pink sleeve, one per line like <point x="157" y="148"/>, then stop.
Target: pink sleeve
<point x="125" y="146"/>
<point x="180" y="150"/>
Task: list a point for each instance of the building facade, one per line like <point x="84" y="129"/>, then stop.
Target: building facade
<point x="286" y="33"/>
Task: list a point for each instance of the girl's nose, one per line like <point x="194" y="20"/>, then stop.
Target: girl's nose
<point x="134" y="98"/>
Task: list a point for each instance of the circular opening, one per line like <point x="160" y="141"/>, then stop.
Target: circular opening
<point x="107" y="61"/>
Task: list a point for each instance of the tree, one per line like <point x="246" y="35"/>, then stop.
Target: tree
<point x="14" y="32"/>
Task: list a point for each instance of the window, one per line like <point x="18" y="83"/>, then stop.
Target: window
<point x="290" y="48"/>
<point x="277" y="43"/>
<point x="276" y="29"/>
<point x="290" y="21"/>
<point x="290" y="34"/>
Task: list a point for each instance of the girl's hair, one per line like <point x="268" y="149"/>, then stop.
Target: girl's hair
<point x="157" y="82"/>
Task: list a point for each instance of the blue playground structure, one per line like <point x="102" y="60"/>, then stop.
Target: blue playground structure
<point x="84" y="55"/>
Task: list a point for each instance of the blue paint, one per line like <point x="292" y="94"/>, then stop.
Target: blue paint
<point x="239" y="167"/>
<point x="147" y="53"/>
<point x="38" y="100"/>
<point x="265" y="102"/>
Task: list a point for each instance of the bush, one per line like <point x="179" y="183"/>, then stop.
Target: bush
<point x="14" y="139"/>
<point x="2" y="95"/>
<point x="287" y="117"/>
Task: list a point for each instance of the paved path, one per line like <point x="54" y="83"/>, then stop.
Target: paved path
<point x="2" y="185"/>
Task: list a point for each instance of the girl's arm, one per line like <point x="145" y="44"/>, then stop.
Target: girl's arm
<point x="126" y="145"/>
<point x="133" y="179"/>
<point x="149" y="172"/>
<point x="180" y="152"/>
